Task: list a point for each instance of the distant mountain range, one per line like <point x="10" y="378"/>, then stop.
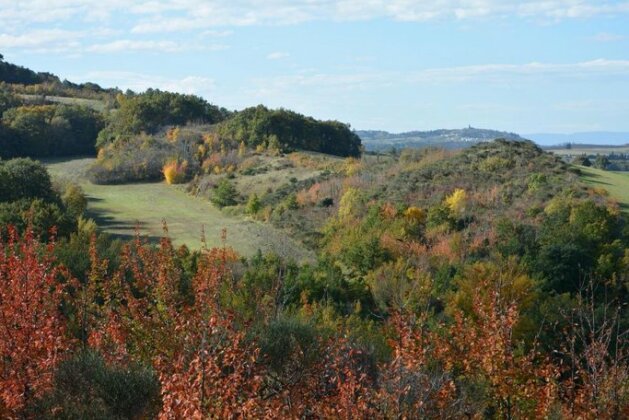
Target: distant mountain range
<point x="449" y="139"/>
<point x="375" y="140"/>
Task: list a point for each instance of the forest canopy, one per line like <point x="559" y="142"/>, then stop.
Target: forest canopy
<point x="288" y="130"/>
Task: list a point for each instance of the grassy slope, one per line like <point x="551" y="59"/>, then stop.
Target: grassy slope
<point x="95" y="104"/>
<point x="120" y="208"/>
<point x="277" y="175"/>
<point x="617" y="183"/>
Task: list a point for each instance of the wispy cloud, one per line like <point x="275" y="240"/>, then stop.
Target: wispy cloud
<point x="607" y="37"/>
<point x="149" y="16"/>
<point x="486" y="73"/>
<point x="140" y="82"/>
<point x="128" y="45"/>
<point x="46" y="39"/>
<point x="277" y="55"/>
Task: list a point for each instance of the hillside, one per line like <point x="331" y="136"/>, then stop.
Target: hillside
<point x="449" y="139"/>
<point x="616" y="183"/>
<point x="120" y="210"/>
<point x="485" y="281"/>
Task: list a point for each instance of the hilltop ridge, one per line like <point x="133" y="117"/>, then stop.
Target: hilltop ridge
<point x="375" y="140"/>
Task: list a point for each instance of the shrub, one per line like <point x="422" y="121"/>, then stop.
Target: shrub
<point x="582" y="160"/>
<point x="175" y="172"/>
<point x="415" y="215"/>
<point x="253" y="204"/>
<point x="225" y="194"/>
<point x="457" y="201"/>
<point x="24" y="178"/>
<point x="289" y="343"/>
<point x="74" y="200"/>
<point x="87" y="387"/>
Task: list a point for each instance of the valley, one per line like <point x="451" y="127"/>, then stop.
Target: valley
<point x="120" y="209"/>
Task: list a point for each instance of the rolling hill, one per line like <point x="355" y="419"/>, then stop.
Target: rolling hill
<point x="448" y="139"/>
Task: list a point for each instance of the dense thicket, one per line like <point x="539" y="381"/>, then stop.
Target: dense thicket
<point x="219" y="337"/>
<point x="288" y="130"/>
<point x="150" y="111"/>
<point x="27" y="197"/>
<point x="49" y="130"/>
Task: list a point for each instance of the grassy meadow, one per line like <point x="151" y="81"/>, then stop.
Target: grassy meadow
<point x="120" y="209"/>
<point x="616" y="183"/>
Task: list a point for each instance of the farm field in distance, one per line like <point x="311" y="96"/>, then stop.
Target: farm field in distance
<point x="589" y="150"/>
<point x="616" y="183"/>
<point x="120" y="209"/>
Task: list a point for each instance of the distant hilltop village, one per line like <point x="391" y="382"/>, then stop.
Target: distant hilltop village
<point x="449" y="139"/>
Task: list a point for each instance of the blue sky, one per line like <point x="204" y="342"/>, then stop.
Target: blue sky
<point x="526" y="66"/>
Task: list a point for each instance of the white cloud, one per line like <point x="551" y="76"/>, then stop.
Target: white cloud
<point x="277" y="55"/>
<point x="128" y="45"/>
<point x="153" y="16"/>
<point x="78" y="42"/>
<point x="484" y="73"/>
<point x="41" y="39"/>
<point x="607" y="37"/>
<point x="140" y="82"/>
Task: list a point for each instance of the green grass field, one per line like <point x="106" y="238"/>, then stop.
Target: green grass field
<point x="119" y="209"/>
<point x="616" y="183"/>
<point x="95" y="104"/>
<point x="590" y="151"/>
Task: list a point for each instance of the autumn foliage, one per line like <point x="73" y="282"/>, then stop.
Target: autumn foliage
<point x="175" y="172"/>
<point x="32" y="329"/>
<point x="211" y="364"/>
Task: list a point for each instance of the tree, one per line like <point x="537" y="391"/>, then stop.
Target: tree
<point x="175" y="172"/>
<point x="50" y="130"/>
<point x="483" y="347"/>
<point x="225" y="194"/>
<point x="282" y="130"/>
<point x="32" y="329"/>
<point x="7" y="100"/>
<point x="457" y="201"/>
<point x="150" y="111"/>
<point x="24" y="179"/>
<point x="253" y="204"/>
<point x="582" y="160"/>
<point x="350" y="203"/>
<point x="601" y="162"/>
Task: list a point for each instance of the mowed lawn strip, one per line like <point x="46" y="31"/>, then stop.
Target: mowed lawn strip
<point x="120" y="209"/>
<point x="616" y="183"/>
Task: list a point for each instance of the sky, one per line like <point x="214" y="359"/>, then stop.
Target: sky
<point x="526" y="66"/>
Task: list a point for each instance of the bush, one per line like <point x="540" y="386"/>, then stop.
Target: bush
<point x="74" y="200"/>
<point x="86" y="387"/>
<point x="175" y="173"/>
<point x="582" y="161"/>
<point x="225" y="194"/>
<point x="140" y="158"/>
<point x="24" y="178"/>
<point x="289" y="343"/>
<point x="254" y="205"/>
